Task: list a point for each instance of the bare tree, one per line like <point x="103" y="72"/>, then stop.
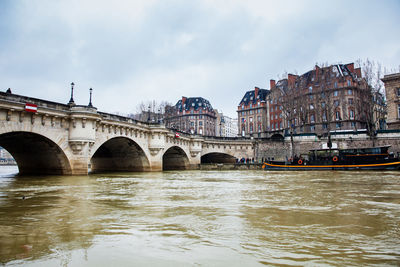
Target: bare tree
<point x="371" y="99"/>
<point x="289" y="98"/>
<point x="151" y="111"/>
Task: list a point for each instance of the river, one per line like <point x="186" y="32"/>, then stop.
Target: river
<point x="201" y="218"/>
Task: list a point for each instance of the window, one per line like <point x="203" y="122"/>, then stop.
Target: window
<point x="323" y="104"/>
<point x="350" y="101"/>
<point x="398" y="111"/>
<point x="251" y="128"/>
<point x="348" y="83"/>
<point x="311" y="97"/>
<point x="350" y="92"/>
<point x="312" y="118"/>
<point x="338" y="125"/>
<point x="312" y="127"/>
<point x="243" y="120"/>
<point x="251" y="119"/>
<point x="324" y="116"/>
<point x="336" y="103"/>
<point x="353" y="124"/>
<point x="325" y="126"/>
<point x="337" y="115"/>
<point x="311" y="106"/>
<point x="310" y="89"/>
<point x="200" y="123"/>
<point x="335" y="93"/>
<point x="259" y="118"/>
<point x="335" y="85"/>
<point x="242" y="106"/>
<point x="192" y="123"/>
<point x="351" y="114"/>
<point x="398" y="91"/>
<point x="251" y="105"/>
<point x="259" y="128"/>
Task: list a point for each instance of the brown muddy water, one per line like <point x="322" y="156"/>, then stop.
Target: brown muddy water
<point x="201" y="218"/>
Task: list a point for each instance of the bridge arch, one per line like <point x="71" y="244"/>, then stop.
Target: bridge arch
<point x="277" y="137"/>
<point x="119" y="154"/>
<point x="217" y="157"/>
<point x="175" y="159"/>
<point x="35" y="153"/>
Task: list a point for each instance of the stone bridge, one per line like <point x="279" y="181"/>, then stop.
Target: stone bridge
<point x="75" y="139"/>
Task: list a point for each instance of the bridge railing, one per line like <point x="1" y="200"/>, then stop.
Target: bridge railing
<point x="39" y="102"/>
<point x="115" y="117"/>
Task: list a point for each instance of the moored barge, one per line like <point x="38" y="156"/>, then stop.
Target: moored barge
<point x="370" y="158"/>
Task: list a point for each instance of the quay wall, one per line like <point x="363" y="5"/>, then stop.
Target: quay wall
<point x="280" y="150"/>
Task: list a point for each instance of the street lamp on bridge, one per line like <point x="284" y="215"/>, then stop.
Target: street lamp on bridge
<point x="90" y="98"/>
<point x="71" y="101"/>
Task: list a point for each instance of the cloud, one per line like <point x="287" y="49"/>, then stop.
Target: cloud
<point x="134" y="51"/>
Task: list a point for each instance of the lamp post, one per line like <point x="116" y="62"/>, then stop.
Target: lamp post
<point x="148" y="109"/>
<point x="90" y="98"/>
<point x="71" y="101"/>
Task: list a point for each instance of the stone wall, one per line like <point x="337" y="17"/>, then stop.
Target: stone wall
<point x="280" y="150"/>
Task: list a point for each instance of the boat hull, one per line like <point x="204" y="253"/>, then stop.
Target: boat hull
<point x="377" y="166"/>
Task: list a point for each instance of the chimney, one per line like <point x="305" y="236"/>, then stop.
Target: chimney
<point x="183" y="100"/>
<point x="350" y="67"/>
<point x="271" y="84"/>
<point x="316" y="72"/>
<point x="291" y="79"/>
<point x="358" y="72"/>
<point x="256" y="91"/>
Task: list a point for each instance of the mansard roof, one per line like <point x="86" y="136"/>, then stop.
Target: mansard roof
<point x="331" y="72"/>
<point x="194" y="103"/>
<point x="249" y="96"/>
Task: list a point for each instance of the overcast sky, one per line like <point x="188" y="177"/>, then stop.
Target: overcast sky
<point x="134" y="51"/>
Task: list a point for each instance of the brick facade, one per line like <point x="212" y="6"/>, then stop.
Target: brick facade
<point x="193" y="115"/>
<point x="253" y="113"/>
<point x="333" y="98"/>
